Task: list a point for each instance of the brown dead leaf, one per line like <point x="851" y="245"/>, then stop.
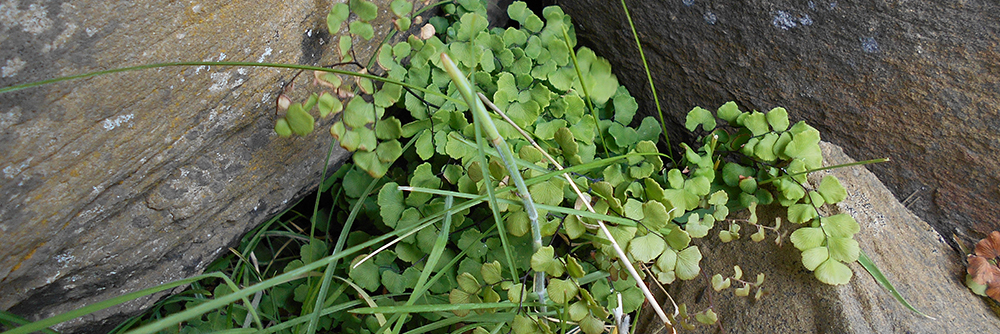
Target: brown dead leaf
<point x="983" y="266"/>
<point x="982" y="271"/>
<point x="993" y="290"/>
<point x="989" y="247"/>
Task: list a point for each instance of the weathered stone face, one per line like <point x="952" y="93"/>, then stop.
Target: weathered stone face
<point x="913" y="81"/>
<point x="126" y="181"/>
<point x="910" y="254"/>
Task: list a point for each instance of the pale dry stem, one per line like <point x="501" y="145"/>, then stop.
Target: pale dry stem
<point x="604" y="228"/>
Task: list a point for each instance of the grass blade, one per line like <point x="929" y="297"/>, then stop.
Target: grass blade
<point x="433" y="308"/>
<point x="649" y="78"/>
<point x="491" y="193"/>
<point x="225" y="63"/>
<point x="9" y="319"/>
<point x="478" y="113"/>
<point x="368" y="299"/>
<point x="328" y="273"/>
<point x="298" y="320"/>
<point x="439" y="245"/>
<point x="197" y="311"/>
<point x="881" y="279"/>
<point x="444" y="270"/>
<point x="856" y="163"/>
<point x="483" y="121"/>
<point x="586" y="92"/>
<point x="341" y="240"/>
<point x="48" y="322"/>
<point x="489" y="317"/>
<point x="552" y="208"/>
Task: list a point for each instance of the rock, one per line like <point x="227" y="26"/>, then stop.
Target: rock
<point x="125" y="181"/>
<point x="908" y="251"/>
<point x="911" y="81"/>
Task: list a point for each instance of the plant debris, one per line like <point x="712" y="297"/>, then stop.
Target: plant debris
<point x="983" y="269"/>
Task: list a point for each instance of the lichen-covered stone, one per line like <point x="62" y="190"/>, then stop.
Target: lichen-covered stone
<point x="911" y="81"/>
<point x="124" y="181"/>
<point x="909" y="252"/>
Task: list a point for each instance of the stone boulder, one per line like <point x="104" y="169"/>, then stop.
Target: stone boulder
<point x="912" y="81"/>
<point x="909" y="252"/>
<point x="125" y="181"/>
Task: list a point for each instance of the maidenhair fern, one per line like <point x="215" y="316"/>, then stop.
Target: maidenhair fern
<point x="568" y="101"/>
<point x="531" y="218"/>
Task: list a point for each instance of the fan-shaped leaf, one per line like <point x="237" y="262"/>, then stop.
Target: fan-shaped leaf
<point x="625" y="107"/>
<point x="719" y="283"/>
<point x="756" y="122"/>
<point x="282" y="129"/>
<point x="813" y="257"/>
<point x="592" y="325"/>
<point x="801" y="213"/>
<point x="574" y="268"/>
<point x="365" y="275"/>
<point x="338" y="14"/>
<point x="843" y="249"/>
<point x="390" y="201"/>
<point x="329" y="105"/>
<point x="518" y="223"/>
<point x="833" y="272"/>
<point x="708" y="317"/>
<point x="561" y="291"/>
<point x="646" y="248"/>
<point x="299" y="120"/>
<point x="543" y="261"/>
<point x="765" y="147"/>
<point x="831" y="189"/>
<point x="654" y="215"/>
<point x="362" y="29"/>
<point x="807" y="237"/>
<point x="699" y="116"/>
<point x="778" y="119"/>
<point x="729" y="111"/>
<point x="533" y="23"/>
<point x="667" y="260"/>
<point x="468" y="283"/>
<point x="840" y="225"/>
<point x="365" y="10"/>
<point x="518" y="11"/>
<point x="688" y="263"/>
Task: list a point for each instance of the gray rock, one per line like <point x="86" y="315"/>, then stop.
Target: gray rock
<point x="126" y="181"/>
<point x="912" y="81"/>
<point x="908" y="251"/>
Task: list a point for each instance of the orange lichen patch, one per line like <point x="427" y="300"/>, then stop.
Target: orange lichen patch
<point x="26" y="257"/>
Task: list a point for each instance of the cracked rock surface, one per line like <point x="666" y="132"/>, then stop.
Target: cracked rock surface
<point x="120" y="182"/>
